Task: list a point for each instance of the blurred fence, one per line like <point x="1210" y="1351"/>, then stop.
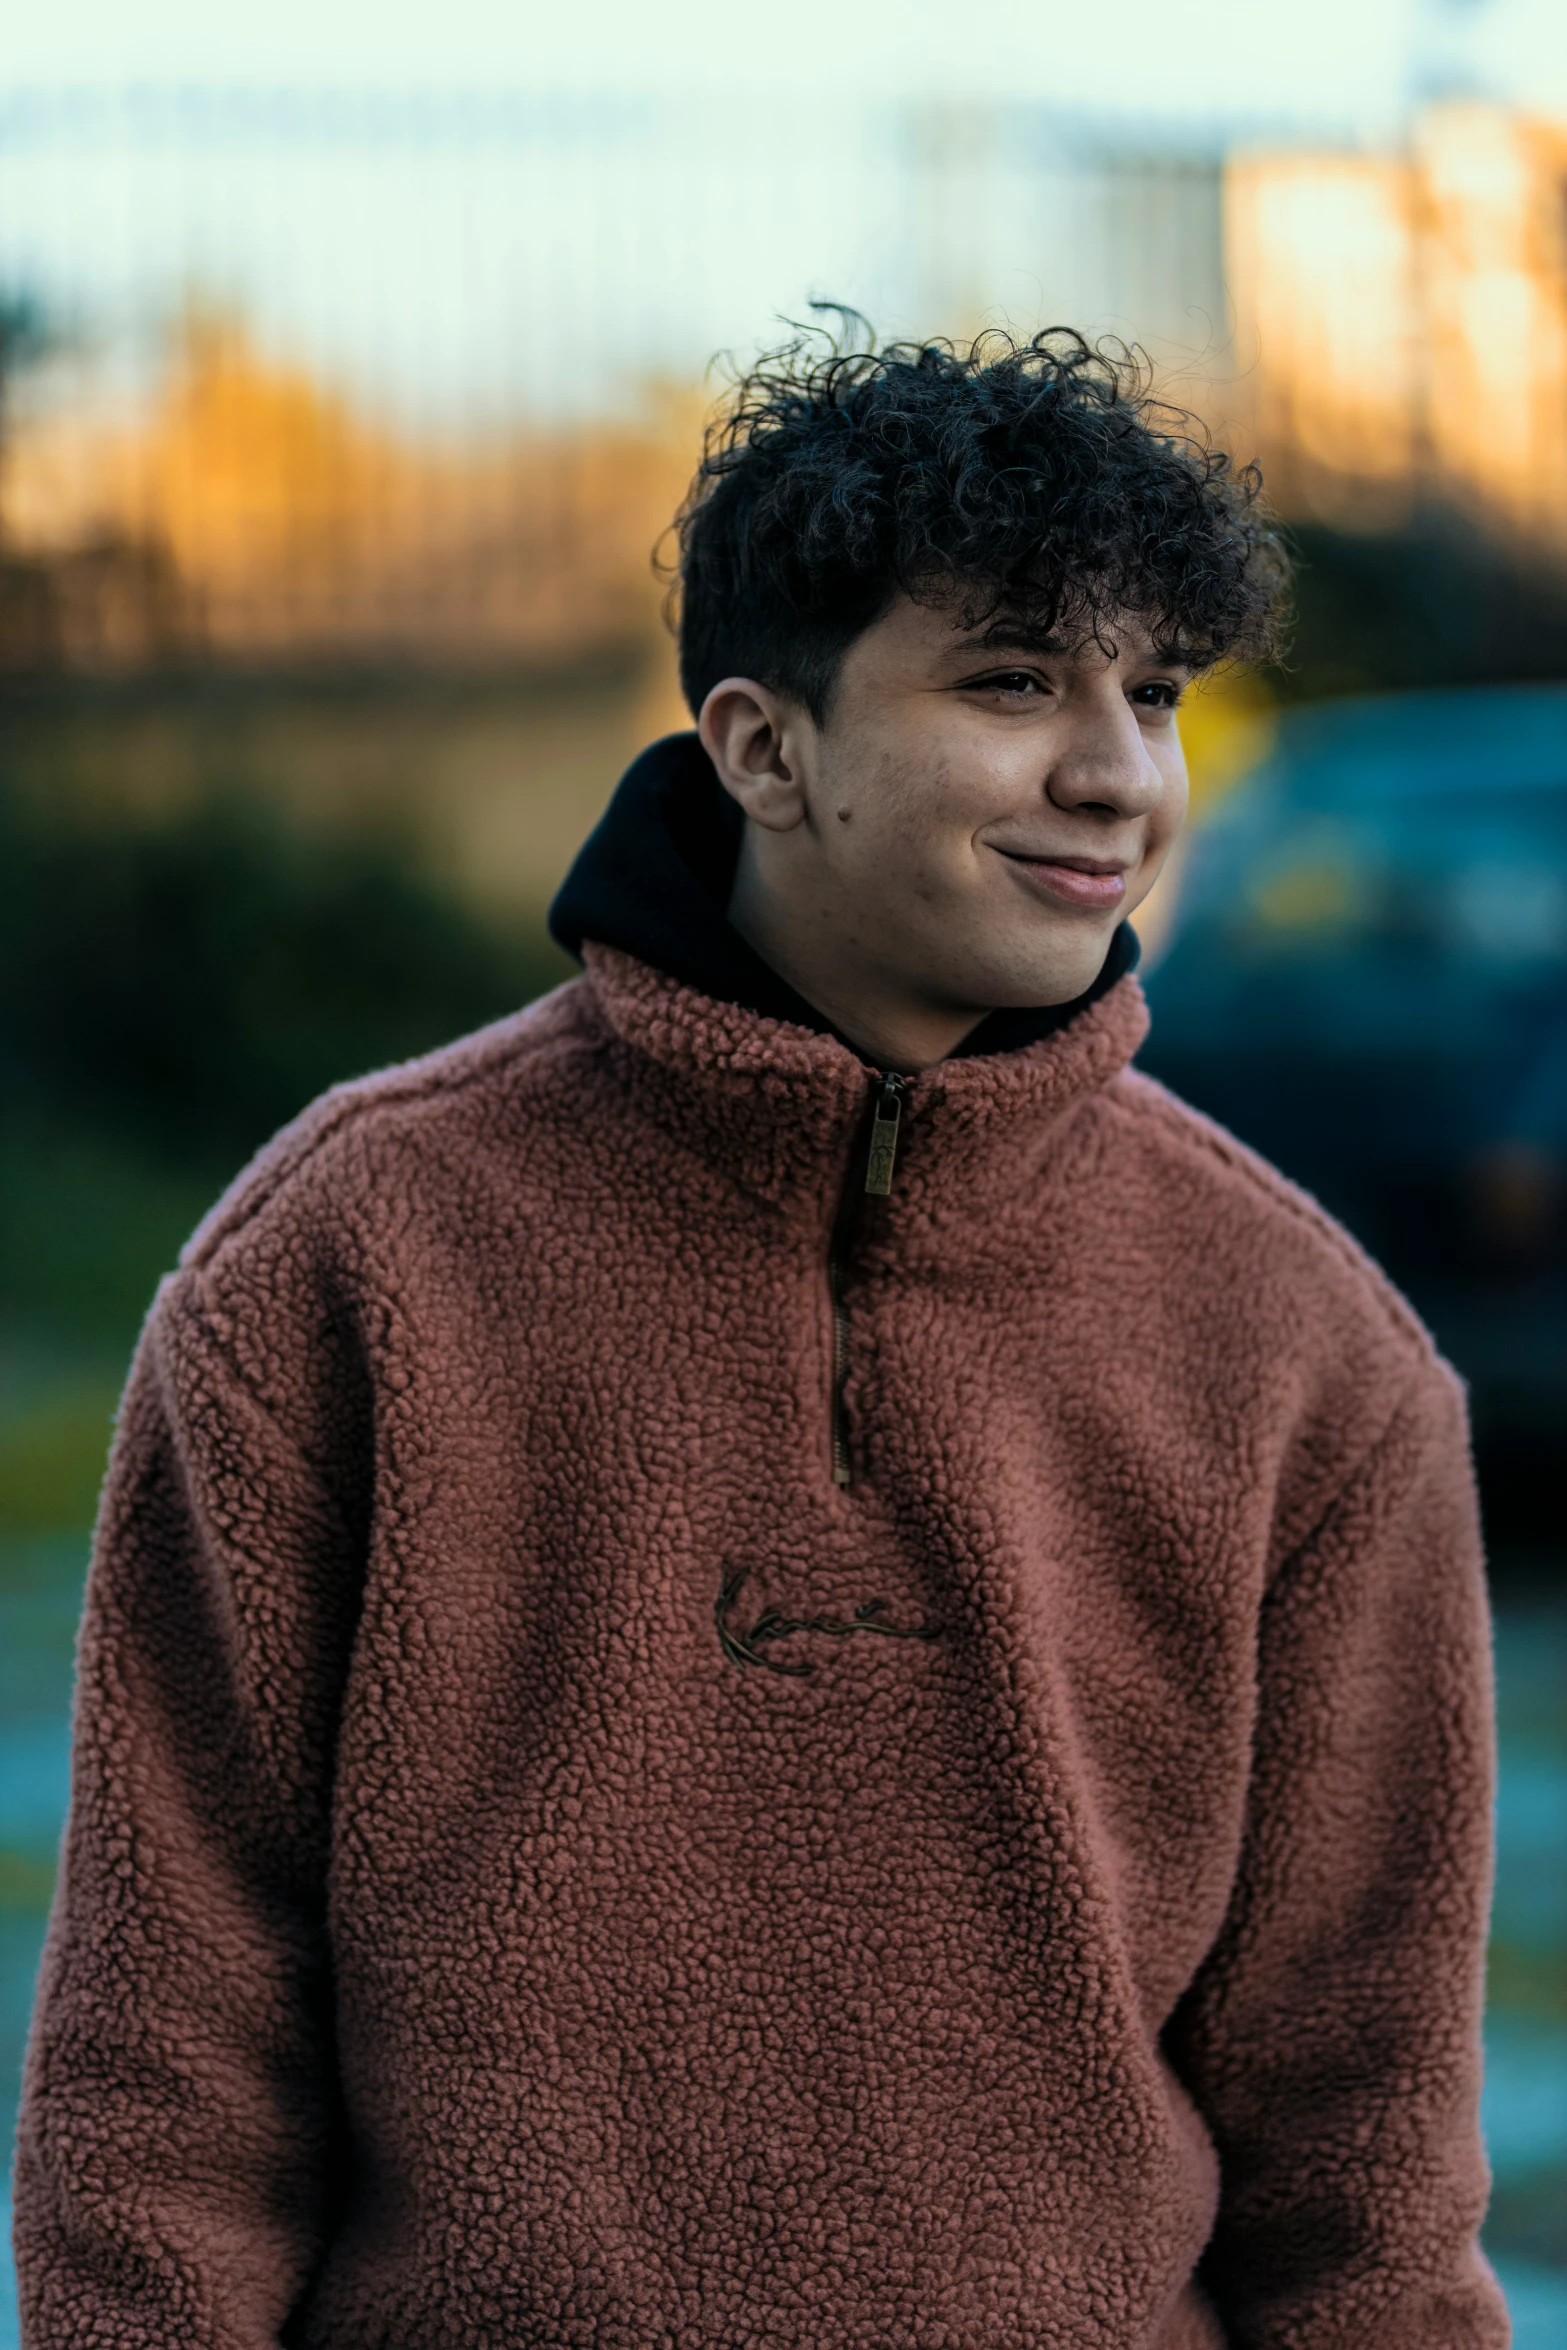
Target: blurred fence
<point x="358" y="378"/>
<point x="367" y="376"/>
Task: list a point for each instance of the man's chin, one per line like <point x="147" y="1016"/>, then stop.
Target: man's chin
<point x="1034" y="986"/>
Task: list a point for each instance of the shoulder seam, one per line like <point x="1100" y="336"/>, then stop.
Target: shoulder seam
<point x="179" y="1294"/>
<point x="1299" y="1546"/>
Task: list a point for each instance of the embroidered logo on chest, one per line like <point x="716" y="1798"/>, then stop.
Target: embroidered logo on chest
<point x="749" y="1647"/>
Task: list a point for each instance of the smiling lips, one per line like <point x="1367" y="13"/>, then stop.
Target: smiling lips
<point x="1071" y="881"/>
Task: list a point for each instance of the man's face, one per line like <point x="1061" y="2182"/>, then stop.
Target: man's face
<point x="981" y="807"/>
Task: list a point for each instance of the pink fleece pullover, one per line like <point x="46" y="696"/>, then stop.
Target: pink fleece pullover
<point x="550" y="1866"/>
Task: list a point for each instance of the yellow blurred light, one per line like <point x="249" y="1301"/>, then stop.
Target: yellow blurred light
<point x="1408" y="319"/>
<point x="1228" y="722"/>
<point x="297" y="526"/>
<point x="1319" y="896"/>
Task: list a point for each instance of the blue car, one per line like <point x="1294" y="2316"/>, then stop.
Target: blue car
<point x="1366" y="978"/>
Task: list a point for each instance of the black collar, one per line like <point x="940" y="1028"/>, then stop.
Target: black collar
<point x="653" y="877"/>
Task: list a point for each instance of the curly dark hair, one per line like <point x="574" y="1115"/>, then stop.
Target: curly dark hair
<point x="1041" y="479"/>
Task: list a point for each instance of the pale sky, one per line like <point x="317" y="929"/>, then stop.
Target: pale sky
<point x="448" y="277"/>
<point x="1319" y="62"/>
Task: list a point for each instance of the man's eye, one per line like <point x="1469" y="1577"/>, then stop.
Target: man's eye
<point x="1159" y="694"/>
<point x="1010" y="681"/>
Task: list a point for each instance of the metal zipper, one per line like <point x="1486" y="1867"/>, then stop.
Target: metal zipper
<point x="870" y="1177"/>
<point x="884" y="1134"/>
<point x="840" y="1372"/>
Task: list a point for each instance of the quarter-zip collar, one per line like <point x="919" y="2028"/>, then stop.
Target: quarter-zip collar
<point x="778" y="1108"/>
<point x="654" y="878"/>
<point x="867" y="1175"/>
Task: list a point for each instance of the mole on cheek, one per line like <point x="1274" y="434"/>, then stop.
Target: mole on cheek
<point x="843" y="815"/>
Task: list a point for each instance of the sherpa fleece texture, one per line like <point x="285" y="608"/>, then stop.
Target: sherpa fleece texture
<point x="548" y="1867"/>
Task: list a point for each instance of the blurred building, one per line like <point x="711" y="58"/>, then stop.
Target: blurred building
<point x="377" y="379"/>
<point x="1031" y="219"/>
<point x="1402" y="323"/>
<point x="374" y="380"/>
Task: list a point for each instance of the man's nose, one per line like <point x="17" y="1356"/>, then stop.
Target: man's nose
<point x="1103" y="765"/>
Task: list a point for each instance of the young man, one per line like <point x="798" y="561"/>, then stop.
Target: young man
<point x="773" y="1657"/>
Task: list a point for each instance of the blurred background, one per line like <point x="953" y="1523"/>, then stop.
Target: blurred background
<point x="352" y="363"/>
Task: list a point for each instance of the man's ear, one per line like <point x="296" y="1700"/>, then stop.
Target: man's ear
<point x="752" y="736"/>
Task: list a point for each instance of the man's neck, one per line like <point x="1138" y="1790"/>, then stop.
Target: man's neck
<point x="889" y="1026"/>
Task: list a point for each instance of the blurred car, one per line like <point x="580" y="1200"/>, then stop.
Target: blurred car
<point x="1365" y="977"/>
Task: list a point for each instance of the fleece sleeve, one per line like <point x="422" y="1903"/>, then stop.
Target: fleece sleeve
<point x="177" y="2119"/>
<point x="1332" y="2039"/>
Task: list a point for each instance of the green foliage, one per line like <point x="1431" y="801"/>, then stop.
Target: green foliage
<point x="26" y="1885"/>
<point x="191" y="986"/>
<point x="170" y="994"/>
<point x="1434" y="604"/>
<point x="89" y="1219"/>
<point x="27" y="334"/>
<point x="52" y="1460"/>
<point x="1527" y="1983"/>
<point x="41" y="1578"/>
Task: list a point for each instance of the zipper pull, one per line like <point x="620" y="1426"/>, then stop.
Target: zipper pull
<point x="884" y="1135"/>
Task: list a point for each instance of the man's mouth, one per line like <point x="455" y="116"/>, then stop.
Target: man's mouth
<point x="1094" y="882"/>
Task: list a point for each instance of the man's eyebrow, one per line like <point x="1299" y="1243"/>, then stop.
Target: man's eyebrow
<point x="1011" y="636"/>
<point x="1015" y="636"/>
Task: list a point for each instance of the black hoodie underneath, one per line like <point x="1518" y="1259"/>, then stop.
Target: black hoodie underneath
<point x="654" y="877"/>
